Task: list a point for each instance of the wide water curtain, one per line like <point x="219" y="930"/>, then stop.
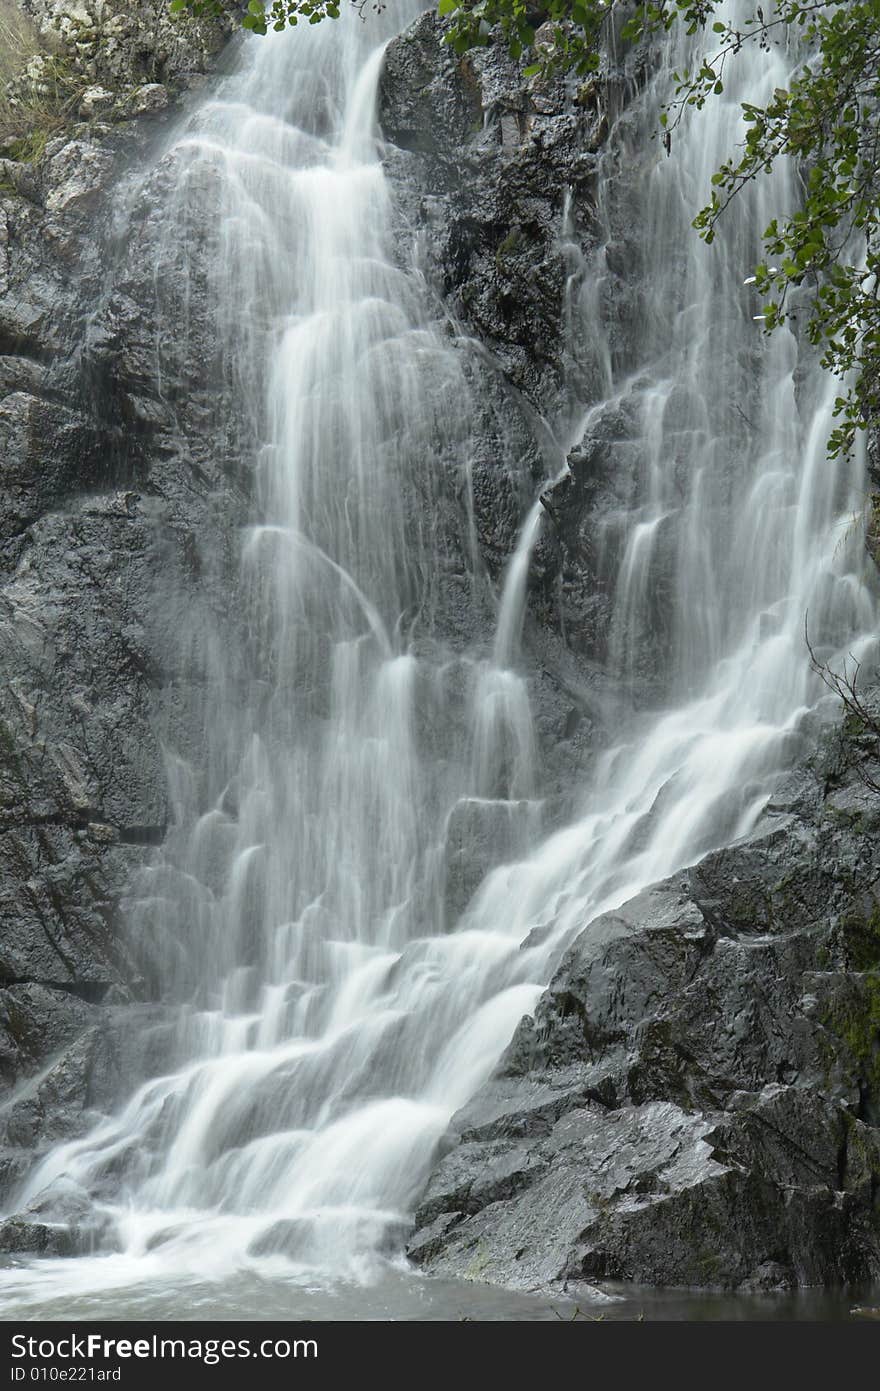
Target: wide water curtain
<point x="339" y="1002"/>
<point x="336" y="1024"/>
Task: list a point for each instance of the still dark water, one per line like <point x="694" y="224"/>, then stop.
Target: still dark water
<point x="401" y="1296"/>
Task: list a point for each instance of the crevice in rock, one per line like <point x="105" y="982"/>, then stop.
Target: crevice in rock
<point x="92" y="992"/>
<point x="142" y="835"/>
<point x="30" y="349"/>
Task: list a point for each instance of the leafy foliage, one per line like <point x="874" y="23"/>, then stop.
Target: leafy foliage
<point x="259" y="18"/>
<point x="39" y="90"/>
<point x="827" y="120"/>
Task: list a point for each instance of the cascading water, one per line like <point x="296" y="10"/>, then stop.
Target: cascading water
<point x="339" y="1020"/>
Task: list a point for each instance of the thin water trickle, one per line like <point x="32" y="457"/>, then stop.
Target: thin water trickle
<point x="342" y="1014"/>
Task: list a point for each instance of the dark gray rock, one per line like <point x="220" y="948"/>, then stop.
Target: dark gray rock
<point x="69" y="1226"/>
<point x="37" y="1238"/>
<point x="490" y="155"/>
<point x="696" y="1098"/>
<point x="494" y="178"/>
<point x="97" y="527"/>
<point x="481" y="833"/>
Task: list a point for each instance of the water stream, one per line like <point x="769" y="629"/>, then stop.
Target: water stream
<point x="341" y="1016"/>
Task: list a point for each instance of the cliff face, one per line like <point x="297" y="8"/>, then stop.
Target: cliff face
<point x="697" y="1099"/>
<point x="94" y="525"/>
<point x="485" y="164"/>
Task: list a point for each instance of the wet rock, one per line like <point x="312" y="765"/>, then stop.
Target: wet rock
<point x="490" y="155"/>
<point x="66" y="1225"/>
<point x="495" y="176"/>
<point x="46" y="451"/>
<point x="95" y="525"/>
<point x="430" y="99"/>
<point x="58" y="1100"/>
<point x="480" y="834"/>
<point x="770" y="1276"/>
<point x="695" y="1098"/>
<point x="21" y="1237"/>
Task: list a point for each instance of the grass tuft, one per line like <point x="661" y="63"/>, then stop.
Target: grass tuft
<point x="39" y="90"/>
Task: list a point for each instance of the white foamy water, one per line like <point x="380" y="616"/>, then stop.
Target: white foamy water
<point x="341" y="1017"/>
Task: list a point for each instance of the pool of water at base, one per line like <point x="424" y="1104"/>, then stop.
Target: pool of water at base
<point x="405" y="1296"/>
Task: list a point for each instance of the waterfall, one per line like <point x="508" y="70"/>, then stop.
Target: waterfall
<point x="339" y="1014"/>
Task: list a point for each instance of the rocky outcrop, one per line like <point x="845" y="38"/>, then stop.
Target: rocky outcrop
<point x="696" y="1100"/>
<point x="78" y="68"/>
<point x="121" y="41"/>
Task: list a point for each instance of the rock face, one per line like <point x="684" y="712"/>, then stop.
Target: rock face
<point x="498" y="175"/>
<point x="91" y="540"/>
<point x="697" y="1098"/>
<point x="494" y="178"/>
<point x="121" y="46"/>
<point x="492" y="156"/>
